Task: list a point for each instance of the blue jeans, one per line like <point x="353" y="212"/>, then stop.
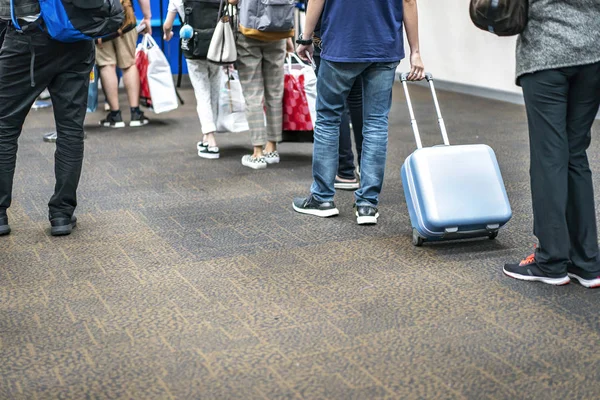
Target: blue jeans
<point x="334" y="84"/>
<point x="354" y="113"/>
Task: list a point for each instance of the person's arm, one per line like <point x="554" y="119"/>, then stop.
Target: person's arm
<point x="168" y="25"/>
<point x="313" y="13"/>
<point x="411" y="25"/>
<point x="145" y="6"/>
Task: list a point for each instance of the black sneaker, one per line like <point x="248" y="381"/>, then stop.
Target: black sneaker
<point x="528" y="270"/>
<point x="209" y="152"/>
<point x="345" y="185"/>
<point x="311" y="206"/>
<point x="113" y="121"/>
<point x="62" y="226"/>
<point x="366" y="215"/>
<point x="4" y="226"/>
<point x="138" y="119"/>
<point x="587" y="279"/>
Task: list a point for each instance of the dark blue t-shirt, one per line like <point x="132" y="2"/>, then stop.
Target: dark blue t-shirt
<point x="362" y="31"/>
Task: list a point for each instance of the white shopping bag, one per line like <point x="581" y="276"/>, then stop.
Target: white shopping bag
<point x="296" y="67"/>
<point x="160" y="78"/>
<point x="232" y="106"/>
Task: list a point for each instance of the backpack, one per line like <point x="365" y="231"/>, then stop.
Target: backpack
<point x="501" y="17"/>
<point x="202" y="16"/>
<point x="267" y="20"/>
<point x="129" y="22"/>
<point x="77" y="20"/>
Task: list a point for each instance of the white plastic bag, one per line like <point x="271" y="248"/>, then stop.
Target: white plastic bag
<point x="296" y="67"/>
<point x="160" y="78"/>
<point x="232" y="106"/>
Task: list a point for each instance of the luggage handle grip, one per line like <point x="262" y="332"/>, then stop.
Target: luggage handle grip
<point x="413" y="121"/>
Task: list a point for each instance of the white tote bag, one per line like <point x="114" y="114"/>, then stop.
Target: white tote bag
<point x="160" y="78"/>
<point x="232" y="105"/>
<point x="222" y="49"/>
<point x="296" y="67"/>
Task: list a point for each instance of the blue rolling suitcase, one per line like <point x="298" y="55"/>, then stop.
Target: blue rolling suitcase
<point x="452" y="192"/>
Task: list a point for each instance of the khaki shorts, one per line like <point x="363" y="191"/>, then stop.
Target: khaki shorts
<point x="119" y="51"/>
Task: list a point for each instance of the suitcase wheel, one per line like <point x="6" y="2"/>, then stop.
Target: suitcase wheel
<point x="493" y="235"/>
<point x="417" y="240"/>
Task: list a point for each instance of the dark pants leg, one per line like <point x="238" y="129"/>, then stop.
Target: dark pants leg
<point x="346" y="162"/>
<point x="355" y="105"/>
<point x="64" y="69"/>
<point x="354" y="110"/>
<point x="561" y="107"/>
<point x="2" y="32"/>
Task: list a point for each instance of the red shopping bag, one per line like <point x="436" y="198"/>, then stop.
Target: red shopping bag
<point x="296" y="113"/>
<point x="141" y="61"/>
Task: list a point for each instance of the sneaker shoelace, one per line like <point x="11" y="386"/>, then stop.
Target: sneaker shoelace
<point x="529" y="259"/>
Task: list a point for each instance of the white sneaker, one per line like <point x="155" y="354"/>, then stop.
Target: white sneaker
<point x="253" y="162"/>
<point x="272" y="157"/>
<point x="210" y="152"/>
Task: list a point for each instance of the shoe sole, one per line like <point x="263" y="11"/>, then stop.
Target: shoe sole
<point x="117" y="125"/>
<point x="271" y="162"/>
<point x="318" y="213"/>
<point x="208" y="155"/>
<point x="346" y="186"/>
<point x="549" y="281"/>
<point x="137" y="124"/>
<point x="588" y="283"/>
<point x="63" y="230"/>
<point x="367" y="220"/>
<point x="49" y="140"/>
<point x="254" y="166"/>
<point x="4" y="230"/>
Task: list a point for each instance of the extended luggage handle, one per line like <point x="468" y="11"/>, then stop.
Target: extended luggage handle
<point x="413" y="121"/>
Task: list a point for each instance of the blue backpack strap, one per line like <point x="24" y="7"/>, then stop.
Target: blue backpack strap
<point x="13" y="17"/>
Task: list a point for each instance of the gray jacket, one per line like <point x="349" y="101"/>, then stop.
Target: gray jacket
<point x="23" y="8"/>
<point x="560" y="33"/>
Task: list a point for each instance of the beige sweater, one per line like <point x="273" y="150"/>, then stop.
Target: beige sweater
<point x="560" y="33"/>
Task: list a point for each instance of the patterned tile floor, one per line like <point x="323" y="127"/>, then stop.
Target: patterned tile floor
<point x="194" y="279"/>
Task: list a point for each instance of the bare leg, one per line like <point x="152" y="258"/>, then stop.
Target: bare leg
<point x="110" y="85"/>
<point x="131" y="79"/>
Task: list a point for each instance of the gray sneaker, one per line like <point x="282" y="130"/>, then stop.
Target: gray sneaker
<point x="50" y="137"/>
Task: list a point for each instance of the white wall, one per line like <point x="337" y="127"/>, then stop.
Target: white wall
<point x="453" y="49"/>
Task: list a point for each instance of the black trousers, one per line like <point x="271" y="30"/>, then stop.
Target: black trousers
<point x="63" y="68"/>
<point x="354" y="113"/>
<point x="561" y="107"/>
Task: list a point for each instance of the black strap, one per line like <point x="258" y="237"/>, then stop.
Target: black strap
<point x="180" y="61"/>
<point x="162" y="18"/>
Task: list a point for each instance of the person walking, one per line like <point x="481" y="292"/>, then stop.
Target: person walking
<point x="204" y="75"/>
<point x="261" y="55"/>
<point x="352" y="49"/>
<point x="558" y="67"/>
<point x="346" y="178"/>
<point x="63" y="68"/>
<point x="120" y="52"/>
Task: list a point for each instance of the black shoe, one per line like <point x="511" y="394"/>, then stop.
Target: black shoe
<point x="4" y="226"/>
<point x="62" y="226"/>
<point x="366" y="215"/>
<point x="138" y="119"/>
<point x="528" y="270"/>
<point x="50" y="137"/>
<point x="113" y="120"/>
<point x="313" y="207"/>
<point x="587" y="279"/>
<point x="344" y="185"/>
<point x="210" y="152"/>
